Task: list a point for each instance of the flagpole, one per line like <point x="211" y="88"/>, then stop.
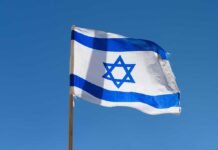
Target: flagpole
<point x="71" y="123"/>
<point x="71" y="100"/>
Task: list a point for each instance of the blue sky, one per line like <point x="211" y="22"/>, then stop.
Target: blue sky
<point x="34" y="75"/>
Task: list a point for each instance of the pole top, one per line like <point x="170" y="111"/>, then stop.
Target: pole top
<point x="73" y="27"/>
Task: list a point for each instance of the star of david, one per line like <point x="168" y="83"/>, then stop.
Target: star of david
<point x="119" y="64"/>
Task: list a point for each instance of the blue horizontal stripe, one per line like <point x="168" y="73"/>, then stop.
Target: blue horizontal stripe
<point x="118" y="44"/>
<point x="161" y="101"/>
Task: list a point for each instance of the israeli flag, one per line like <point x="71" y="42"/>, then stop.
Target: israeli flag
<point x="113" y="70"/>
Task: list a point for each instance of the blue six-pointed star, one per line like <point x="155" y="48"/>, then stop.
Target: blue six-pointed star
<point x="126" y="67"/>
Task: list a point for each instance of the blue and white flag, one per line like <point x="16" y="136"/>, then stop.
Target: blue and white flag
<point x="113" y="70"/>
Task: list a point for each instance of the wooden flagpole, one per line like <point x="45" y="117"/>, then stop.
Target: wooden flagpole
<point x="71" y="101"/>
<point x="71" y="123"/>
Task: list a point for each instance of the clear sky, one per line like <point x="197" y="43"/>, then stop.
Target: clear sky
<point x="34" y="75"/>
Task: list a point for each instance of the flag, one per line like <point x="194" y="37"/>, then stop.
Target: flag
<point x="113" y="70"/>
